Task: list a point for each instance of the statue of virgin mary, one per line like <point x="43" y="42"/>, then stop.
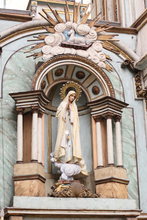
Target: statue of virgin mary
<point x="68" y="146"/>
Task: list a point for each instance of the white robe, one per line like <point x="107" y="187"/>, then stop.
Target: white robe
<point x="68" y="147"/>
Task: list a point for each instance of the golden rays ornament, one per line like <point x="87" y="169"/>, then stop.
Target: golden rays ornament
<point x="72" y="35"/>
<point x="70" y="86"/>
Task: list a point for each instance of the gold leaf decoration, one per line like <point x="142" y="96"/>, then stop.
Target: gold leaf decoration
<point x="70" y="85"/>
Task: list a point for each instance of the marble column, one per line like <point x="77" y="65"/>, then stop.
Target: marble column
<point x="40" y="138"/>
<point x="110" y="141"/>
<point x="20" y="136"/>
<point x="118" y="142"/>
<point x="34" y="155"/>
<point x="100" y="162"/>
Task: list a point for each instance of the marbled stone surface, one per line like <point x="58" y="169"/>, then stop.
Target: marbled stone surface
<point x="129" y="152"/>
<point x="29" y="188"/>
<point x="112" y="190"/>
<point x="17" y="77"/>
<point x="73" y="203"/>
<point x="114" y="76"/>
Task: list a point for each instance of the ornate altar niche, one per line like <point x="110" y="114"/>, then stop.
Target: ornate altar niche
<point x="73" y="51"/>
<point x="100" y="114"/>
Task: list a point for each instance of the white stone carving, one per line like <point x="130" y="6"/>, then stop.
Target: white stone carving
<point x="77" y="34"/>
<point x="59" y="28"/>
<point x="92" y="36"/>
<point x="83" y="29"/>
<point x="94" y="58"/>
<point x="82" y="53"/>
<point x="102" y="64"/>
<point x="54" y="39"/>
<point x="97" y="46"/>
<point x="69" y="25"/>
<point x="74" y="39"/>
<point x="101" y="56"/>
<point x="67" y="170"/>
<point x="46" y="49"/>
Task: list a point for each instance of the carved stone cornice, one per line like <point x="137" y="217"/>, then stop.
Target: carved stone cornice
<point x="29" y="177"/>
<point x="31" y="100"/>
<point x="15" y="15"/>
<point x="141" y="21"/>
<point x="106" y="107"/>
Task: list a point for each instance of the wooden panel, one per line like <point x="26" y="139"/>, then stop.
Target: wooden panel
<point x="27" y="137"/>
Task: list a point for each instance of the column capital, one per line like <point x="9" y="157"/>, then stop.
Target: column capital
<point x="117" y="118"/>
<point x="40" y="114"/>
<point x="98" y="118"/>
<point x="35" y="109"/>
<point x="108" y="116"/>
<point x="19" y="110"/>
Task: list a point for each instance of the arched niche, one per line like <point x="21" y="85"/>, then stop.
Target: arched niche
<point x="97" y="108"/>
<point x="94" y="83"/>
<point x="70" y="65"/>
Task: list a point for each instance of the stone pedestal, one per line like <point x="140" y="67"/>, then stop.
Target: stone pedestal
<point x="29" y="179"/>
<point x="111" y="182"/>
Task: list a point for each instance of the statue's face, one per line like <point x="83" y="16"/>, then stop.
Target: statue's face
<point x="72" y="97"/>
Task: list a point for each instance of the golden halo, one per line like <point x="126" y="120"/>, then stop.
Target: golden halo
<point x="71" y="85"/>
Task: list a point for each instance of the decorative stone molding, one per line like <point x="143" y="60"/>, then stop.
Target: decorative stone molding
<point x="111" y="182"/>
<point x="31" y="100"/>
<point x="110" y="176"/>
<point x="29" y="179"/>
<point x="107" y="107"/>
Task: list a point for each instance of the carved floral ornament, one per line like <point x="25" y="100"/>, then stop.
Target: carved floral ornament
<point x="73" y="36"/>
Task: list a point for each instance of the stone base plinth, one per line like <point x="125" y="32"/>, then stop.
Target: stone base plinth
<point x="111" y="182"/>
<point x="29" y="179"/>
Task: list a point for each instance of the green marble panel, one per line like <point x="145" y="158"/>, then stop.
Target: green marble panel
<point x="129" y="152"/>
<point x="17" y="77"/>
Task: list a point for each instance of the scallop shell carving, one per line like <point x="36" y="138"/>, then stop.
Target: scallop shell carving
<point x="83" y="29"/>
<point x="97" y="46"/>
<point x="92" y="36"/>
<point x="59" y="28"/>
<point x="46" y="49"/>
<point x="54" y="39"/>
